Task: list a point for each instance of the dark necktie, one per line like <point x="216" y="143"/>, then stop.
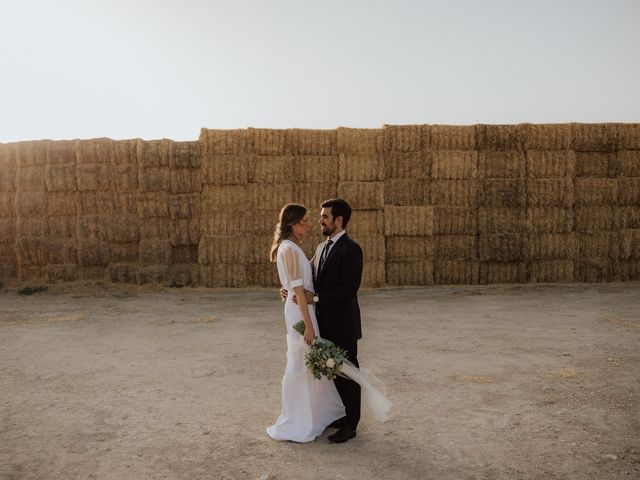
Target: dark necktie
<point x="325" y="254"/>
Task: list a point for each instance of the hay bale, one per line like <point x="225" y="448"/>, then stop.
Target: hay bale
<point x="124" y="203"/>
<point x="224" y="142"/>
<point x="551" y="271"/>
<point x="214" y="249"/>
<point x="153" y="274"/>
<point x="630" y="270"/>
<point x="498" y="137"/>
<point x="456" y="247"/>
<point x="627" y="163"/>
<point x="185" y="180"/>
<point x="154" y="153"/>
<point x="503" y="247"/>
<point x="414" y="165"/>
<point x="267" y="141"/>
<point x="453" y="137"/>
<point x="373" y="247"/>
<point x="8" y="169"/>
<point x="406" y="138"/>
<point x="92" y="227"/>
<point x="123" y="253"/>
<point x="60" y="273"/>
<point x="183" y="275"/>
<point x="409" y="248"/>
<point x="546" y="136"/>
<point x="184" y="254"/>
<point x="123" y="229"/>
<point x="126" y="152"/>
<point x="543" y="192"/>
<point x="324" y="168"/>
<point x="409" y="273"/>
<point x="456" y="272"/>
<point x="406" y="191"/>
<point x="61" y="177"/>
<point x="123" y="272"/>
<point x="596" y="191"/>
<point x="31" y="153"/>
<point x="257" y="223"/>
<point x="227" y="223"/>
<point x="224" y="275"/>
<point x="501" y="164"/>
<point x="551" y="164"/>
<point x="549" y="246"/>
<point x="95" y="150"/>
<point x="62" y="152"/>
<point x="363" y="222"/>
<point x="627" y="217"/>
<point x="62" y="252"/>
<point x="263" y="274"/>
<point x="511" y="272"/>
<point x="276" y="196"/>
<point x="225" y="169"/>
<point x="362" y="195"/>
<point x="502" y="192"/>
<point x="225" y="197"/>
<point x="32" y="227"/>
<point x="185" y="232"/>
<point x="31" y="178"/>
<point x="455" y="220"/>
<point x="62" y="227"/>
<point x="91" y="203"/>
<point x="599" y="244"/>
<point x="408" y="220"/>
<point x="373" y="275"/>
<point x="549" y="220"/>
<point x="594" y="219"/>
<point x="93" y="252"/>
<point x="153" y="204"/>
<point x="30" y="272"/>
<point x="313" y="142"/>
<point x="364" y="168"/>
<point x="155" y="228"/>
<point x="154" y="179"/>
<point x="459" y="193"/>
<point x="502" y="220"/>
<point x="8" y="229"/>
<point x="61" y="203"/>
<point x="594" y="164"/>
<point x="186" y="205"/>
<point x="272" y="170"/>
<point x="597" y="270"/>
<point x="185" y="155"/>
<point x="153" y="251"/>
<point x="629" y="191"/>
<point x="26" y="203"/>
<point x="454" y="165"/>
<point x="628" y="136"/>
<point x="260" y="246"/>
<point x="357" y="141"/>
<point x="591" y="137"/>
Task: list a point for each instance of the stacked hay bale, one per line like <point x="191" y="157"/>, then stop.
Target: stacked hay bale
<point x="224" y="245"/>
<point x="154" y="185"/>
<point x="408" y="216"/>
<point x="360" y="175"/>
<point x="551" y="165"/>
<point x="502" y="205"/>
<point x="627" y="171"/>
<point x="62" y="215"/>
<point x="124" y="228"/>
<point x="596" y="199"/>
<point x="32" y="243"/>
<point x="184" y="211"/>
<point x="454" y="196"/>
<point x="8" y="261"/>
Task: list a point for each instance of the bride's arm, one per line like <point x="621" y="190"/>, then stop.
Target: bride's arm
<point x="309" y="333"/>
<point x="294" y="275"/>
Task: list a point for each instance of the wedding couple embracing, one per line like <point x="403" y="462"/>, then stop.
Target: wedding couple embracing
<point x="323" y="293"/>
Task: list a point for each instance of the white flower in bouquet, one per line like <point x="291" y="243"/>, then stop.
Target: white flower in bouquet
<point x="331" y="363"/>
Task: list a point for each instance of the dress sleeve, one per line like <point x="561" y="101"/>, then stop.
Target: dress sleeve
<point x="292" y="267"/>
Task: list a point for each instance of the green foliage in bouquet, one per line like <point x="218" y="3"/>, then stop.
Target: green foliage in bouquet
<point x="325" y="359"/>
<point x="299" y="327"/>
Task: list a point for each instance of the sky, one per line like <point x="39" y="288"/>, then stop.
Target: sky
<point x="165" y="69"/>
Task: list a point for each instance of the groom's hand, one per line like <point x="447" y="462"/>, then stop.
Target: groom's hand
<point x="283" y="294"/>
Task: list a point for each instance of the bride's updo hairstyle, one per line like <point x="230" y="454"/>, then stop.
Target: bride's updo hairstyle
<point x="289" y="216"/>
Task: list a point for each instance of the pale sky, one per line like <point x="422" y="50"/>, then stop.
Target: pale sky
<point x="164" y="69"/>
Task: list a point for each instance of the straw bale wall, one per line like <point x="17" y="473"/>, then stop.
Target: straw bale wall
<point x="433" y="204"/>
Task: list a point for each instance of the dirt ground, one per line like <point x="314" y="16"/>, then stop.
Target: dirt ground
<point x="492" y="382"/>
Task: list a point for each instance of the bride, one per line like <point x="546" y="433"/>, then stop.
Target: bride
<point x="308" y="405"/>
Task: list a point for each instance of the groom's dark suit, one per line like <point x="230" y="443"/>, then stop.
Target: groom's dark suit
<point x="338" y="311"/>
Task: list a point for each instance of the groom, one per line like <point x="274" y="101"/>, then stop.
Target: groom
<point x="337" y="272"/>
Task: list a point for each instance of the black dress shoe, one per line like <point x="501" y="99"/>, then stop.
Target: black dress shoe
<point x="337" y="423"/>
<point x="343" y="435"/>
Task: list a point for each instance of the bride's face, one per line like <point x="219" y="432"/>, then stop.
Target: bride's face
<point x="301" y="228"/>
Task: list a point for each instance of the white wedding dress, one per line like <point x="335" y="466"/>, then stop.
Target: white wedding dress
<point x="308" y="405"/>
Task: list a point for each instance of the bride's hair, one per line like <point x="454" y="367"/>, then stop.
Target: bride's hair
<point x="289" y="216"/>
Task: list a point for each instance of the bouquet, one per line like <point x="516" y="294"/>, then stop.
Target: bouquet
<point x="324" y="358"/>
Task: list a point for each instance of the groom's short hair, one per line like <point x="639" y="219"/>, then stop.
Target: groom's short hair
<point x="339" y="208"/>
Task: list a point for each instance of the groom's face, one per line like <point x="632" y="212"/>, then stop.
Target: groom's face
<point x="327" y="222"/>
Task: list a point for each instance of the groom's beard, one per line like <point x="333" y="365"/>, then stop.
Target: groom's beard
<point x="328" y="232"/>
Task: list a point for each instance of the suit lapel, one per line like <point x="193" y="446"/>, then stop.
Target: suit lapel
<point x="338" y="245"/>
<point x="316" y="261"/>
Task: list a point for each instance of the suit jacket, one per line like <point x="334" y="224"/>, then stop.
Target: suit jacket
<point x="337" y="289"/>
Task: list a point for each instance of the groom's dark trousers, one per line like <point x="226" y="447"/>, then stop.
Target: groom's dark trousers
<point x="338" y="312"/>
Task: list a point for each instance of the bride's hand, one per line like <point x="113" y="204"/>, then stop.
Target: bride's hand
<point x="309" y="335"/>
